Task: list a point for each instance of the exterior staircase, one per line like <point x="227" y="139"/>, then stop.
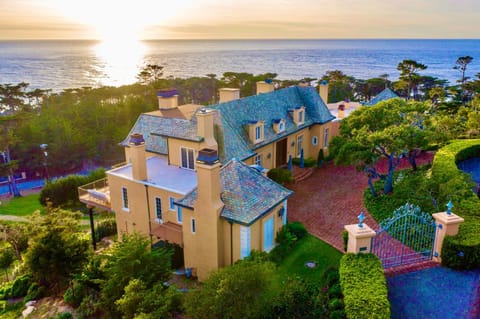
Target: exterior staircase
<point x="300" y="174"/>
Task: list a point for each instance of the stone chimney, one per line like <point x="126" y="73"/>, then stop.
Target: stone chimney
<point x="265" y="86"/>
<point x="323" y="91"/>
<point x="229" y="94"/>
<point x="167" y="99"/>
<point x="205" y="124"/>
<point x="138" y="156"/>
<point x="207" y="210"/>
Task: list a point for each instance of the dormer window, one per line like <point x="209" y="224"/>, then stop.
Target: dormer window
<point x="256" y="131"/>
<point x="279" y="126"/>
<point x="299" y="115"/>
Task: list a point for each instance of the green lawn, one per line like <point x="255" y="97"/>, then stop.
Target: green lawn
<point x="21" y="206"/>
<point x="307" y="249"/>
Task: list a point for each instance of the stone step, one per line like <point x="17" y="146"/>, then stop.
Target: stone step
<point x="301" y="174"/>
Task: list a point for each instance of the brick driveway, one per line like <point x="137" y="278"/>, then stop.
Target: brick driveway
<point x="331" y="198"/>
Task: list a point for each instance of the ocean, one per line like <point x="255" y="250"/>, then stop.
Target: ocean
<point x="63" y="64"/>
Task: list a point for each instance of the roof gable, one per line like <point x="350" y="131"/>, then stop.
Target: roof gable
<point x="270" y="108"/>
<point x="246" y="193"/>
<point x="386" y="94"/>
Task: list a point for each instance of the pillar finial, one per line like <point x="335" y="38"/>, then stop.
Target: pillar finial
<point x="449" y="207"/>
<point x="361" y="218"/>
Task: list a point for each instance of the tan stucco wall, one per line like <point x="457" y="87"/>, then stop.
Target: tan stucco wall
<point x="136" y="218"/>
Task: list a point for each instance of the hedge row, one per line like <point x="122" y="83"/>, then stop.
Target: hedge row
<point x="364" y="287"/>
<point x="64" y="191"/>
<point x="461" y="251"/>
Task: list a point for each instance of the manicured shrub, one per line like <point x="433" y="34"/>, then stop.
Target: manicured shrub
<point x="64" y="191"/>
<point x="364" y="287"/>
<point x="281" y="175"/>
<point x="297" y="229"/>
<point x="463" y="250"/>
<point x="307" y="162"/>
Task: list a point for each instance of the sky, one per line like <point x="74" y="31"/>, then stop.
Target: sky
<point x="238" y="19"/>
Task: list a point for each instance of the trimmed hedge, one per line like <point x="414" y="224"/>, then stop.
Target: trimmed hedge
<point x="281" y="175"/>
<point x="64" y="191"/>
<point x="364" y="287"/>
<point x="463" y="250"/>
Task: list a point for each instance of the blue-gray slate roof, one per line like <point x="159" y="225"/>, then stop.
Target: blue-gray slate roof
<point x="233" y="118"/>
<point x="268" y="107"/>
<point x="386" y="94"/>
<point x="246" y="193"/>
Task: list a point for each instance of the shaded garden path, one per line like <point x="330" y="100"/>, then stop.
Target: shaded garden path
<point x="333" y="197"/>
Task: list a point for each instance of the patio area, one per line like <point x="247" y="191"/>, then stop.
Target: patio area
<point x="333" y="197"/>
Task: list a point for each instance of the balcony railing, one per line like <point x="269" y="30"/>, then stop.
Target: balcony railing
<point x="96" y="194"/>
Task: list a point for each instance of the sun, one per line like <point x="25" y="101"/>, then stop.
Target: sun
<point x="115" y="21"/>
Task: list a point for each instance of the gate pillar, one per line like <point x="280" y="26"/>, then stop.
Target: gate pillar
<point x="359" y="238"/>
<point x="447" y="224"/>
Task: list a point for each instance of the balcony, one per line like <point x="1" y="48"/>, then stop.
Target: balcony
<point x="96" y="194"/>
<point x="168" y="231"/>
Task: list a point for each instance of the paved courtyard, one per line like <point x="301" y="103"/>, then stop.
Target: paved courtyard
<point x="333" y="197"/>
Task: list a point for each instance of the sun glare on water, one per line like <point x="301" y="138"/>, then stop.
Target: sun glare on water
<point x="119" y="25"/>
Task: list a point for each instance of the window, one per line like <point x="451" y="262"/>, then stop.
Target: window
<point x="172" y="203"/>
<point x="187" y="157"/>
<point x="258" y="133"/>
<point x="325" y="138"/>
<point x="179" y="214"/>
<point x="244" y="241"/>
<point x="281" y="127"/>
<point x="158" y="210"/>
<point x="268" y="234"/>
<point x="125" y="198"/>
<point x="299" y="145"/>
<point x="300" y="117"/>
<point x="314" y="140"/>
<point x="258" y="159"/>
<point x="193" y="225"/>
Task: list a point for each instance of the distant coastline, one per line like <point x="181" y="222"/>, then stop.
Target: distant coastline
<point x="60" y="64"/>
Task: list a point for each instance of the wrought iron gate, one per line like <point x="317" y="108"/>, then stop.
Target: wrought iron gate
<point x="405" y="238"/>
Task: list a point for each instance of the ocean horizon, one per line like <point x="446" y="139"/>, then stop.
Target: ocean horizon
<point x="63" y="64"/>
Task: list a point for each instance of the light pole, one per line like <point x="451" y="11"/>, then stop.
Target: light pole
<point x="43" y="147"/>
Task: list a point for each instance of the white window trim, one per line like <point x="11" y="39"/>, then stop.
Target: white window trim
<point x="315" y="140"/>
<point x="179" y="210"/>
<point x="187" y="148"/>
<point x="245" y="231"/>
<point x="299" y="149"/>
<point x="258" y="159"/>
<point x="158" y="220"/>
<point x="171" y="205"/>
<point x="259" y="126"/>
<point x="281" y="126"/>
<point x="125" y="209"/>
<point x="193" y="225"/>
